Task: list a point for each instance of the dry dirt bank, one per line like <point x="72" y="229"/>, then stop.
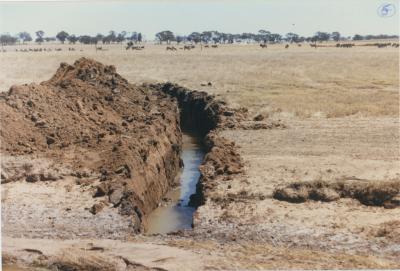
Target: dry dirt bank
<point x="353" y="151"/>
<point x="86" y="130"/>
<point x="87" y="155"/>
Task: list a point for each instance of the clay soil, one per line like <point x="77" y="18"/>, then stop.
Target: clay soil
<point x="92" y="141"/>
<point x="321" y="131"/>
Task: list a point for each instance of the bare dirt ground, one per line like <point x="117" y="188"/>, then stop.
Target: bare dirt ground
<point x="340" y="110"/>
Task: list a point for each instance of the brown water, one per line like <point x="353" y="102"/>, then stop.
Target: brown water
<point x="176" y="214"/>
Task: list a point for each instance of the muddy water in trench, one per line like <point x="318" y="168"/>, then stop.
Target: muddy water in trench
<point x="176" y="214"/>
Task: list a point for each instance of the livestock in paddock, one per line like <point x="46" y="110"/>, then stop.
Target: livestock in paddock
<point x="346" y="45"/>
<point x="130" y="45"/>
<point x="214" y="46"/>
<point x="137" y="47"/>
<point x="286" y="46"/>
<point x="170" y="48"/>
<point x="263" y="45"/>
<point x="188" y="47"/>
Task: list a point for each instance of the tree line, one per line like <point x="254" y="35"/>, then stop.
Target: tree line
<point x="262" y="36"/>
<point x="167" y="36"/>
<point x="63" y="37"/>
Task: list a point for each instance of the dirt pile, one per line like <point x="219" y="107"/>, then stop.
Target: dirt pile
<point x="372" y="193"/>
<point x="130" y="134"/>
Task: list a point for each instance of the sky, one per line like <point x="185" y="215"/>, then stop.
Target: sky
<point x="304" y="17"/>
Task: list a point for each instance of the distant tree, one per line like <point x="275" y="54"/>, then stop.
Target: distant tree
<point x="358" y="37"/>
<point x="335" y="36"/>
<point x="194" y="37"/>
<point x="166" y="36"/>
<point x="380" y="37"/>
<point x="206" y="36"/>
<point x="7" y="39"/>
<point x="264" y="35"/>
<point x="301" y="39"/>
<point x="39" y="36"/>
<point x="99" y="37"/>
<point x="179" y="39"/>
<point x="48" y="39"/>
<point x="139" y="37"/>
<point x="86" y="39"/>
<point x="133" y="37"/>
<point x="94" y="40"/>
<point x="322" y="36"/>
<point x="275" y="38"/>
<point x="120" y="37"/>
<point x="72" y="39"/>
<point x="110" y="38"/>
<point x="292" y="37"/>
<point x="62" y="36"/>
<point x="217" y="39"/>
<point x="25" y="37"/>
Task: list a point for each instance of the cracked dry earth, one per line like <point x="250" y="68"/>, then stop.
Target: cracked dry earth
<point x="240" y="226"/>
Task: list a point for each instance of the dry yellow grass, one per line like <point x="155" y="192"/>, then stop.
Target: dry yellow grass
<point x="261" y="256"/>
<point x="301" y="81"/>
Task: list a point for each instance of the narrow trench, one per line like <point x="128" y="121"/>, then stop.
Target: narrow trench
<point x="175" y="214"/>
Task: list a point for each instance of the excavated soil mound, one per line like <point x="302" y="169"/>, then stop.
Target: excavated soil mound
<point x="371" y="193"/>
<point x="131" y="134"/>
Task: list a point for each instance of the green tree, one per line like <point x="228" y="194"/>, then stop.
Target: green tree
<point x="166" y="36"/>
<point x="358" y="37"/>
<point x="264" y="35"/>
<point x="322" y="36"/>
<point x="39" y="36"/>
<point x="62" y="36"/>
<point x="292" y="37"/>
<point x="335" y="36"/>
<point x="24" y="36"/>
<point x="72" y="39"/>
<point x="7" y="39"/>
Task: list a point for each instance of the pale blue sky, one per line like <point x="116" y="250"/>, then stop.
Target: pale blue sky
<point x="304" y="17"/>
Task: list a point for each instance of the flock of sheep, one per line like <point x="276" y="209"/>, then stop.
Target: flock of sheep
<point x="186" y="47"/>
<point x="131" y="46"/>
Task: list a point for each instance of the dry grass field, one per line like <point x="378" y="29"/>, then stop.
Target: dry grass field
<point x="301" y="81"/>
<point x="340" y="107"/>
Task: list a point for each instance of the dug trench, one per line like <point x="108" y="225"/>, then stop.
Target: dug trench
<point x="87" y="136"/>
<point x="87" y="155"/>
